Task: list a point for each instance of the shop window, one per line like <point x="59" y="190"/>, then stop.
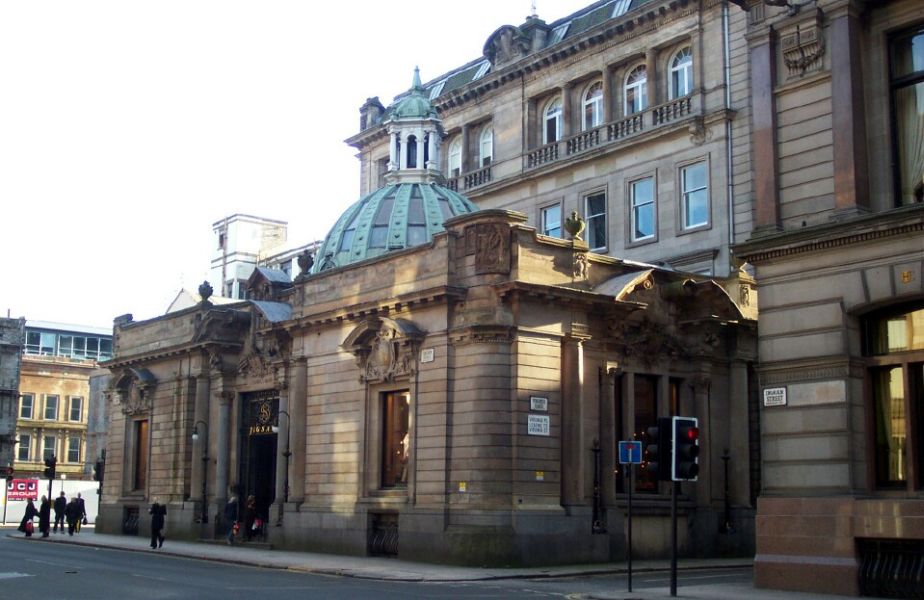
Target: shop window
<point x="694" y="195"/>
<point x="894" y="342"/>
<point x="907" y="82"/>
<point x="636" y="90"/>
<point x="551" y="121"/>
<point x="25" y="447"/>
<point x="551" y="220"/>
<point x="681" y="74"/>
<point x="26" y="406"/>
<point x="395" y="438"/>
<point x="595" y="215"/>
<point x="642" y="209"/>
<point x="593" y="106"/>
<point x="646" y="415"/>
<point x="51" y="407"/>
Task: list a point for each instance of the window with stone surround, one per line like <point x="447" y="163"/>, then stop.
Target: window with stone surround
<point x="551" y="121"/>
<point x="395" y="438"/>
<point x="636" y="91"/>
<point x="595" y="216"/>
<point x="51" y="407"/>
<point x="551" y="220"/>
<point x="907" y="82"/>
<point x="454" y="164"/>
<point x="49" y="442"/>
<point x="140" y="441"/>
<point x="642" y="217"/>
<point x="25" y="447"/>
<point x="76" y="409"/>
<point x="694" y="195"/>
<point x="486" y="146"/>
<point x="681" y="74"/>
<point x="73" y="449"/>
<point x="593" y="106"/>
<point x="645" y="416"/>
<point x="26" y="405"/>
<point x="894" y="345"/>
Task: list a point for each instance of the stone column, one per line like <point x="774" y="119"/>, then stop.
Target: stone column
<point x="763" y="117"/>
<point x="701" y="410"/>
<point x="573" y="448"/>
<point x="284" y="425"/>
<point x="851" y="190"/>
<point x="434" y="162"/>
<point x="298" y="401"/>
<point x="608" y="437"/>
<point x="609" y="95"/>
<point x="200" y="447"/>
<point x="223" y="450"/>
<point x="567" y="113"/>
<point x="651" y="77"/>
<point x="738" y="448"/>
<point x="419" y="150"/>
<point x="393" y="151"/>
<point x="465" y="162"/>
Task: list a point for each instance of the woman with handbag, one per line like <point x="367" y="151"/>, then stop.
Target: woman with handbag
<point x="26" y="524"/>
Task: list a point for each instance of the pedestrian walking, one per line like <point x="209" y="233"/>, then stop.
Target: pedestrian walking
<point x="83" y="512"/>
<point x="26" y="524"/>
<point x="44" y="516"/>
<point x="250" y="516"/>
<point x="72" y="515"/>
<point x="232" y="516"/>
<point x="158" y="513"/>
<point x="59" y="508"/>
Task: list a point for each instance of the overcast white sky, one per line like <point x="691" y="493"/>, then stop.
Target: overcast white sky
<point x="127" y="128"/>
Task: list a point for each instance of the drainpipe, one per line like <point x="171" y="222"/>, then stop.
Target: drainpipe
<point x="728" y="128"/>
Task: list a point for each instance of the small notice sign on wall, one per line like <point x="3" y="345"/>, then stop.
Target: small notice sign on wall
<point x="537" y="425"/>
<point x="538" y="403"/>
<point x="775" y="396"/>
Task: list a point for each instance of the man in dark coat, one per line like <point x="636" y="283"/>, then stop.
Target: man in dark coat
<point x="27" y="517"/>
<point x="72" y="515"/>
<point x="60" y="506"/>
<point x="158" y="512"/>
<point x="44" y="516"/>
<point x="83" y="511"/>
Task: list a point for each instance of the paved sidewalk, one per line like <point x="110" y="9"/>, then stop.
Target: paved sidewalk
<point x="389" y="569"/>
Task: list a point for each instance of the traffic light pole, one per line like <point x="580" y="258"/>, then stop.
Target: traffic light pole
<point x="631" y="468"/>
<point x="675" y="491"/>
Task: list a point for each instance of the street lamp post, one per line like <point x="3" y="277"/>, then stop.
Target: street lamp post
<point x="205" y="468"/>
<point x="286" y="454"/>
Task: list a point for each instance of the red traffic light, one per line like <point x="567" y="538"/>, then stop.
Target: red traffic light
<point x="692" y="433"/>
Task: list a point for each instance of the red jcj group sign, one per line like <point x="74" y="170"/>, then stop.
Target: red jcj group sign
<point x="22" y="489"/>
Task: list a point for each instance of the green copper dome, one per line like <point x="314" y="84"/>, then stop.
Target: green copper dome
<point x="395" y="217"/>
<point x="416" y="104"/>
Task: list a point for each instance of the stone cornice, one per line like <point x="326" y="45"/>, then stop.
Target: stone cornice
<point x="173" y="351"/>
<point x="905" y="221"/>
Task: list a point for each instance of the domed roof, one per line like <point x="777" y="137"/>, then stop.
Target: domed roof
<point x="416" y="104"/>
<point x="395" y="217"/>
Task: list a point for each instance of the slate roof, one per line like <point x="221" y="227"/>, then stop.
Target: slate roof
<point x="583" y="20"/>
<point x="274" y="312"/>
<point x="274" y="275"/>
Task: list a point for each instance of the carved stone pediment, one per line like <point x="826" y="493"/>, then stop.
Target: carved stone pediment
<point x="385" y="349"/>
<point x="133" y="390"/>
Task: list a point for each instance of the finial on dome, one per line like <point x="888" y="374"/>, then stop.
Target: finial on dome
<point x="416" y="83"/>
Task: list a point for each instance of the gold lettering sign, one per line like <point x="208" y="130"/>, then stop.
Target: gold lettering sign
<point x="260" y="429"/>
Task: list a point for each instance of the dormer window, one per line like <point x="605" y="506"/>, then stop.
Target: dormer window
<point x="482" y="70"/>
<point x="437" y="89"/>
<point x="558" y="34"/>
<point x="620" y="7"/>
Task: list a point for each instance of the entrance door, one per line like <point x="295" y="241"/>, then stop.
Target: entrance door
<point x="258" y="451"/>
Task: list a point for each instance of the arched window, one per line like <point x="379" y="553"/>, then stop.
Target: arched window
<point x="636" y="90"/>
<point x="551" y="130"/>
<point x="593" y="106"/>
<point x="486" y="146"/>
<point x="454" y="166"/>
<point x="681" y="82"/>
<point x="411" y="152"/>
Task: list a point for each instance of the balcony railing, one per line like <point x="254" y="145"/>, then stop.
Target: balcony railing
<point x="476" y="178"/>
<point x="609" y="133"/>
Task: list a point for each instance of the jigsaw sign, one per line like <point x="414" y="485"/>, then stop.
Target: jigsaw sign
<point x="22" y="489"/>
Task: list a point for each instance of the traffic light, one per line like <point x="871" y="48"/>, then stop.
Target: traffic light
<point x="9" y="473"/>
<point x="98" y="469"/>
<point x="685" y="454"/>
<point x="658" y="450"/>
<point x="50" y="467"/>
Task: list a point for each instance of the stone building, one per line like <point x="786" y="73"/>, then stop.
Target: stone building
<point x="53" y="410"/>
<point x="442" y="383"/>
<point x="838" y="246"/>
<point x="12" y="338"/>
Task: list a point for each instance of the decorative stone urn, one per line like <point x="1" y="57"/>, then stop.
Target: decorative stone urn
<point x="575" y="225"/>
